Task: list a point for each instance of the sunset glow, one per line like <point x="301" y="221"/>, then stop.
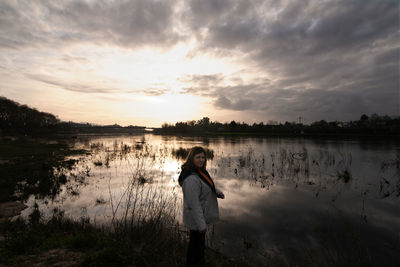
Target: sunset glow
<point x="149" y="62"/>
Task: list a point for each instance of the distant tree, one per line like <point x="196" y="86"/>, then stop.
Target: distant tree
<point x="374" y="117"/>
<point x="334" y="123"/>
<point x="232" y="124"/>
<point x="204" y="122"/>
<point x="321" y="123"/>
<point x="364" y="118"/>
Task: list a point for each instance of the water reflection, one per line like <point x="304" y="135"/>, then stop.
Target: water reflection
<point x="291" y="219"/>
<point x="279" y="193"/>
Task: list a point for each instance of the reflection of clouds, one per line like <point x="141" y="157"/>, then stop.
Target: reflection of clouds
<point x="284" y="215"/>
<point x="265" y="218"/>
<point x="255" y="205"/>
<point x="383" y="213"/>
<point x="239" y="197"/>
<point x="288" y="218"/>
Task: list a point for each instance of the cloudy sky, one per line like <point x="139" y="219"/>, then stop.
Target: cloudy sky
<point x="146" y="62"/>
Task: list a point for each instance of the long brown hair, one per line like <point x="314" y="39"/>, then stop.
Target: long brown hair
<point x="189" y="165"/>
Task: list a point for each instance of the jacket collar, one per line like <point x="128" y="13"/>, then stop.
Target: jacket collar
<point x="186" y="172"/>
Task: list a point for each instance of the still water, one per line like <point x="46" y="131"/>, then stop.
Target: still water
<point x="283" y="196"/>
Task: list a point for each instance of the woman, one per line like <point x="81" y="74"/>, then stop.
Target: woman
<point x="200" y="206"/>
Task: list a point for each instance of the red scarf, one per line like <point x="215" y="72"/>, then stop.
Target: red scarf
<point x="205" y="176"/>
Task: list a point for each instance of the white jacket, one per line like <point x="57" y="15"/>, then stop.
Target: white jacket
<point x="200" y="205"/>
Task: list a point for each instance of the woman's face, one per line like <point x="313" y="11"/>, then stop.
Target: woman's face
<point x="199" y="160"/>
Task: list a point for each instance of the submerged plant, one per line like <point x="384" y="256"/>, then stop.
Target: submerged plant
<point x="345" y="176"/>
<point x="389" y="178"/>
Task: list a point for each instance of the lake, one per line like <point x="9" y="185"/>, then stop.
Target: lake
<point x="284" y="197"/>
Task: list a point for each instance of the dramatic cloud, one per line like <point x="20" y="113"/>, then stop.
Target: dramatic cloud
<point x="125" y="23"/>
<point x="258" y="60"/>
<point x="326" y="56"/>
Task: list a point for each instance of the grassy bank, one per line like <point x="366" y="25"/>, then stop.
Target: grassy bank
<point x="64" y="242"/>
<point x="79" y="243"/>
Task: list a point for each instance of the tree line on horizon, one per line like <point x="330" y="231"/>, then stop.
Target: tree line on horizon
<point x="17" y="119"/>
<point x="366" y="125"/>
<point x="21" y="119"/>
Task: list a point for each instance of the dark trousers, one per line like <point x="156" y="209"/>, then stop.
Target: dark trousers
<point x="195" y="252"/>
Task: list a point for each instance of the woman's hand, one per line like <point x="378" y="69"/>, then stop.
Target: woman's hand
<point x="221" y="195"/>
